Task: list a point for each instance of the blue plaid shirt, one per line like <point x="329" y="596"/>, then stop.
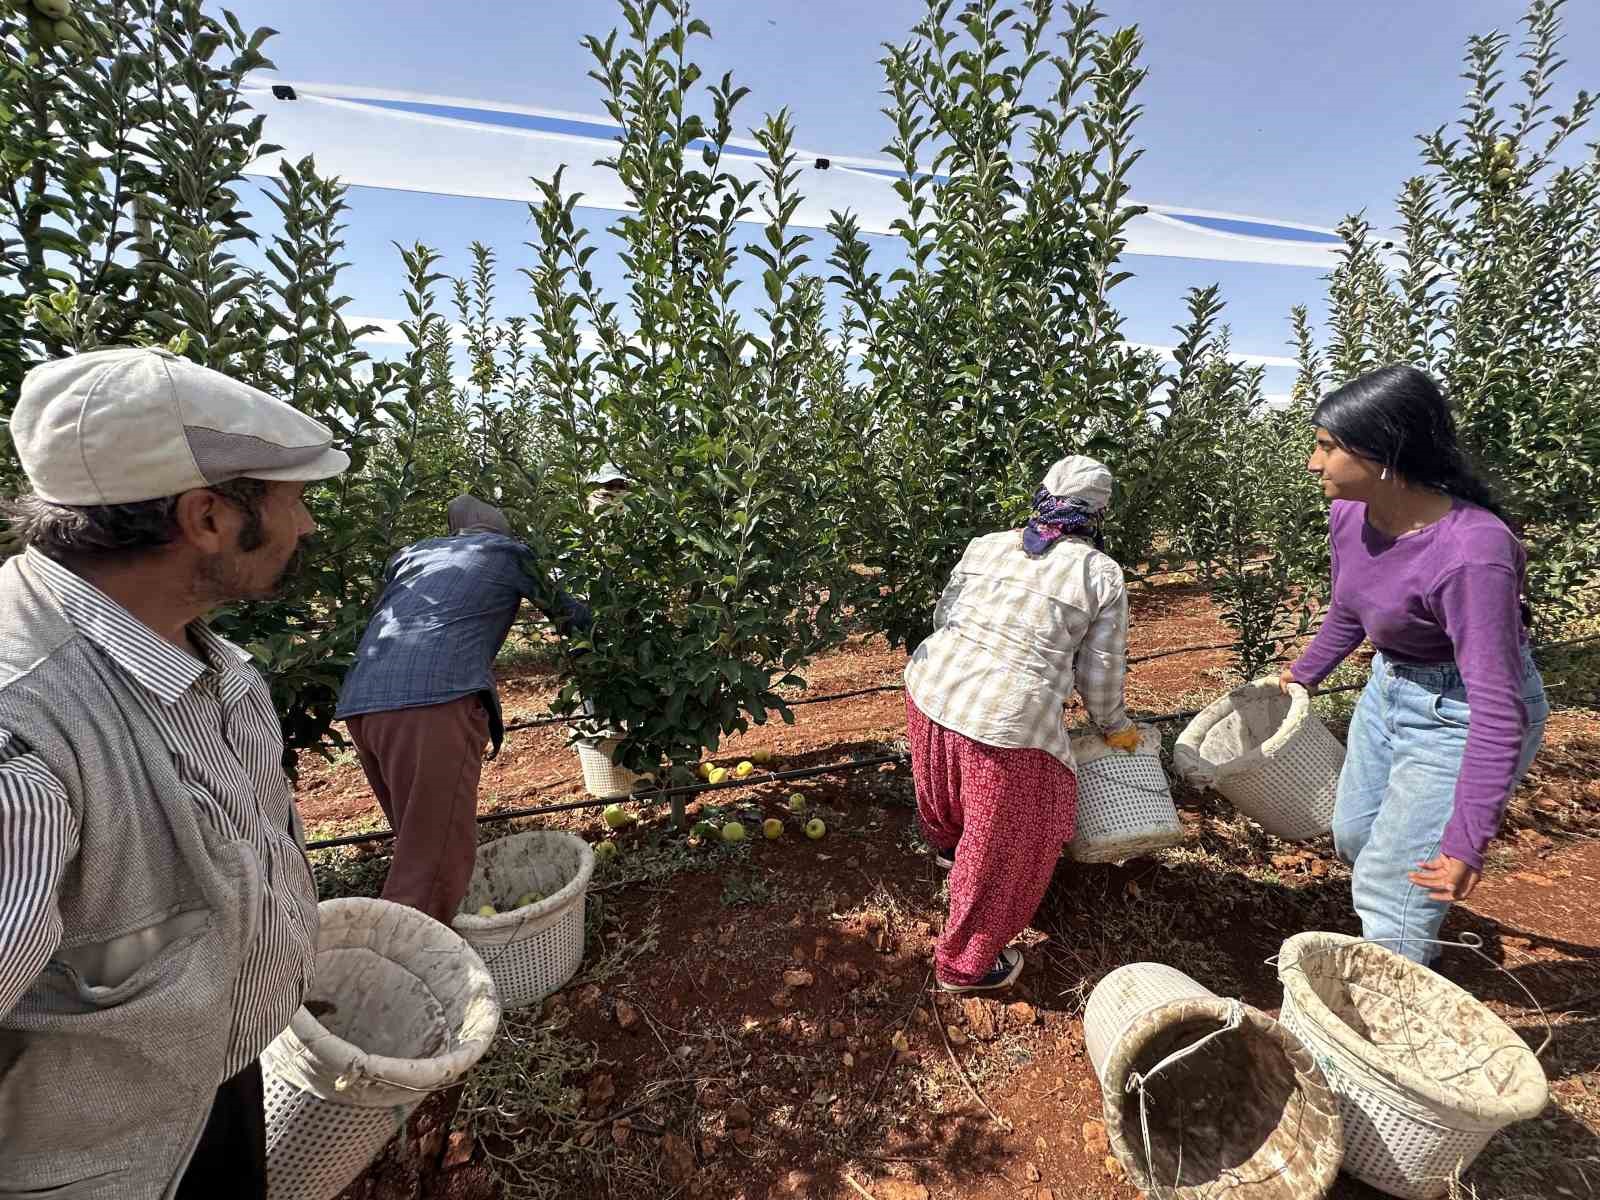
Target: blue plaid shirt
<point x="447" y="605"/>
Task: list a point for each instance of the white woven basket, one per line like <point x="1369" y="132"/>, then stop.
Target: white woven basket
<point x="404" y="1008"/>
<point x="1269" y="754"/>
<point x="1232" y="1103"/>
<point x="1424" y="1072"/>
<point x="1125" y="805"/>
<point x="530" y="951"/>
<point x="602" y="777"/>
<point x="1124" y="996"/>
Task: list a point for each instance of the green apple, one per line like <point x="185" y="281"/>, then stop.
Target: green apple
<point x="56" y="10"/>
<point x="488" y="910"/>
<point x="772" y="827"/>
<point x="528" y="898"/>
<point x="815" y="828"/>
<point x="605" y="851"/>
<point x="616" y="816"/>
<point x="744" y="770"/>
<point x="797" y="802"/>
<point x="761" y="757"/>
<point x="733" y="831"/>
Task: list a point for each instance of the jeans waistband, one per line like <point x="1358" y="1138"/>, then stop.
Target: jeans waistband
<point x="1443" y="676"/>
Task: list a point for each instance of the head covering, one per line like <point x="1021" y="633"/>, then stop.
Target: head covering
<point x="1082" y="478"/>
<point x="608" y="473"/>
<point x="131" y="424"/>
<point x="1069" y="503"/>
<point x="468" y="514"/>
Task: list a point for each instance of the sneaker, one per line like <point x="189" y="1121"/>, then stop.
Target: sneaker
<point x="1002" y="975"/>
<point x="945" y="860"/>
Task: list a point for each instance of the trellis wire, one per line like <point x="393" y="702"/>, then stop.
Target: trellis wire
<point x="654" y="795"/>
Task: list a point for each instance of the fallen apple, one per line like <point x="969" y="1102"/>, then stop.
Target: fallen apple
<point x="528" y="898"/>
<point x="744" y="770"/>
<point x="616" y="816"/>
<point x="488" y="910"/>
<point x="772" y="827"/>
<point x="761" y="757"/>
<point x="815" y="828"/>
<point x="797" y="802"/>
<point x="733" y="831"/>
<point x="605" y="851"/>
<point x="705" y="770"/>
<point x="718" y="774"/>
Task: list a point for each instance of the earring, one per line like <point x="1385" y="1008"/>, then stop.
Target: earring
<point x="1383" y="474"/>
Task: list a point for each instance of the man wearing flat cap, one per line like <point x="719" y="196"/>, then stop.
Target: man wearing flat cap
<point x="157" y="913"/>
<point x="420" y="700"/>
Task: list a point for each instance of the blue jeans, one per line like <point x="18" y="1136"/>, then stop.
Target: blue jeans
<point x="1397" y="791"/>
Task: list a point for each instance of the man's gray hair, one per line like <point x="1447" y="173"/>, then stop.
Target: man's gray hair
<point x="109" y="531"/>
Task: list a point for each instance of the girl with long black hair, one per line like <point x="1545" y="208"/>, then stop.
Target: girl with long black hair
<point x="1427" y="569"/>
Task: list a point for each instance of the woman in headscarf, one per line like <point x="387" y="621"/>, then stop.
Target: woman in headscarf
<point x="1028" y="616"/>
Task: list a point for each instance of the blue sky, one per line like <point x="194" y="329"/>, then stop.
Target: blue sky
<point x="1301" y="112"/>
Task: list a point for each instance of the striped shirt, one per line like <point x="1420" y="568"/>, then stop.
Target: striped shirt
<point x="217" y="721"/>
<point x="1013" y="636"/>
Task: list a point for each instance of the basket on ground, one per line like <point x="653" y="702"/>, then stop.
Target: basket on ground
<point x="1234" y="1106"/>
<point x="1269" y="755"/>
<point x="1424" y="1072"/>
<point x="533" y="950"/>
<point x="400" y="1007"/>
<point x="602" y="777"/>
<point x="1124" y="802"/>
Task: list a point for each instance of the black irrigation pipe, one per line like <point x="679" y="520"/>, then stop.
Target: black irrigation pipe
<point x="653" y="795"/>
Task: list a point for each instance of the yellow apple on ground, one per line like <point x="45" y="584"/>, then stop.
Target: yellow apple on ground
<point x="733" y="831"/>
<point x="718" y="774"/>
<point x="797" y="802"/>
<point x="761" y="757"/>
<point x="815" y="828"/>
<point x="772" y="827"/>
<point x="744" y="770"/>
<point x="605" y="851"/>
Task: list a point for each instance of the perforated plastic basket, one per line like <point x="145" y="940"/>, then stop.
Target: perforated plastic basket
<point x="1205" y="1097"/>
<point x="1269" y="755"/>
<point x="1124" y="996"/>
<point x="1124" y="802"/>
<point x="530" y="951"/>
<point x="602" y="777"/>
<point x="403" y="1008"/>
<point x="1425" y="1074"/>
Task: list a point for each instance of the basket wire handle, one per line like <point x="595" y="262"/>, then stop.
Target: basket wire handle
<point x="1467" y="940"/>
<point x="1137" y="1081"/>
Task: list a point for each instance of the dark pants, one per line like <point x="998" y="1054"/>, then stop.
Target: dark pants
<point x="423" y="765"/>
<point x="231" y="1159"/>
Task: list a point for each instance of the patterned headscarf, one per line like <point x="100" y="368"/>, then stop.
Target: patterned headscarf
<point x="1069" y="503"/>
<point x="1056" y="517"/>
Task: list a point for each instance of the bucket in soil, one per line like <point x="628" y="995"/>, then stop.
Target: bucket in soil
<point x="1206" y="1098"/>
<point x="400" y="1007"/>
<point x="602" y="778"/>
<point x="1269" y="755"/>
<point x="533" y="949"/>
<point x="1424" y="1072"/>
<point x="1125" y="806"/>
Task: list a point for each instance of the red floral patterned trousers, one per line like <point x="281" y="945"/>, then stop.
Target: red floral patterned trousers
<point x="1008" y="812"/>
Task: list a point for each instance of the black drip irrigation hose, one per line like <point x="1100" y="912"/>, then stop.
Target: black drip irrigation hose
<point x="654" y="795"/>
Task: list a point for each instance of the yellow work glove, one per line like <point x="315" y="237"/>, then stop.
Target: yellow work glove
<point x="1126" y="740"/>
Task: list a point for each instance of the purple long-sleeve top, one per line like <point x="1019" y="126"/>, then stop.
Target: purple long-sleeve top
<point x="1449" y="591"/>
